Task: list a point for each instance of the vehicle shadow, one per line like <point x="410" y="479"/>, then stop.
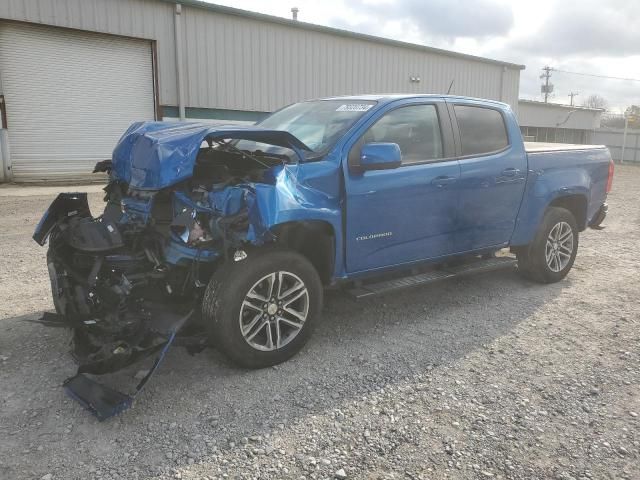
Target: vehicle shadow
<point x="358" y="347"/>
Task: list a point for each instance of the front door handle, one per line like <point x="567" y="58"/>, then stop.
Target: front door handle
<point x="510" y="172"/>
<point x="442" y="180"/>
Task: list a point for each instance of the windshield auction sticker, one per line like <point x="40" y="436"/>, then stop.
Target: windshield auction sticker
<point x="354" y="107"/>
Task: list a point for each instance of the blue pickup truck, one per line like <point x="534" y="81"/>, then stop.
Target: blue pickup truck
<point x="229" y="234"/>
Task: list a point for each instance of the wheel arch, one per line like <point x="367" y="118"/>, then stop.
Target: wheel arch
<point x="535" y="205"/>
<point x="313" y="239"/>
<point x="576" y="204"/>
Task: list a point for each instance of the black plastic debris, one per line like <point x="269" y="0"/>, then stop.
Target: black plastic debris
<point x="104" y="402"/>
<point x="50" y="319"/>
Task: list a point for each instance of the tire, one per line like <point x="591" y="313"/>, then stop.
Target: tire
<point x="248" y="330"/>
<point x="547" y="260"/>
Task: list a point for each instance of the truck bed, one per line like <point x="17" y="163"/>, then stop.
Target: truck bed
<point x="566" y="169"/>
<point x="539" y="147"/>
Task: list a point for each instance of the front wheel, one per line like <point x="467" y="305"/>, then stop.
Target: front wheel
<point x="551" y="255"/>
<point x="261" y="311"/>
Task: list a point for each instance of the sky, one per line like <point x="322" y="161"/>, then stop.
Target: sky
<point x="586" y="36"/>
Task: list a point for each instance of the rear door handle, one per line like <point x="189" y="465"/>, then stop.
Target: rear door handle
<point x="510" y="172"/>
<point x="442" y="180"/>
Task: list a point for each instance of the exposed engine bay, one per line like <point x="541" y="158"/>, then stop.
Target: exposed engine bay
<point x="129" y="279"/>
<point x="183" y="201"/>
<point x="123" y="279"/>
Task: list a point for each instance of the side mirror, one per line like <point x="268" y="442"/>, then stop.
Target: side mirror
<point x="380" y="156"/>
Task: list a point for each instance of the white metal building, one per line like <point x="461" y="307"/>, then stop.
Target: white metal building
<point x="75" y="73"/>
<point x="556" y="122"/>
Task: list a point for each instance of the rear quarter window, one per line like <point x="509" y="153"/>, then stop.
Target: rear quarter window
<point x="482" y="130"/>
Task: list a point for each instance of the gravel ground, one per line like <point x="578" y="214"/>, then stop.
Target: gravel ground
<point x="483" y="377"/>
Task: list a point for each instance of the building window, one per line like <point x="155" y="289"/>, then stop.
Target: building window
<point x="554" y="135"/>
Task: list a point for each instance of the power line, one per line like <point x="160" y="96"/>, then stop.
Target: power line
<point x="597" y="76"/>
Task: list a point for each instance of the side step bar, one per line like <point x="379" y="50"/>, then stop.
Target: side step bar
<point x="477" y="266"/>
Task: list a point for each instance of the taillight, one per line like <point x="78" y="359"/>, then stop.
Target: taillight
<point x="610" y="177"/>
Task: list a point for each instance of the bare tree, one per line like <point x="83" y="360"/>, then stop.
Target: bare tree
<point x="633" y="115"/>
<point x="596" y="101"/>
<point x="612" y="121"/>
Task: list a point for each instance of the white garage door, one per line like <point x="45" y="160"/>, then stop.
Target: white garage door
<point x="69" y="97"/>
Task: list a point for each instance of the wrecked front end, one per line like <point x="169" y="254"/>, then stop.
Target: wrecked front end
<point x="180" y="201"/>
<point x="109" y="283"/>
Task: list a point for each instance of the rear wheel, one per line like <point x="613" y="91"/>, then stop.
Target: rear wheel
<point x="551" y="255"/>
<point x="262" y="310"/>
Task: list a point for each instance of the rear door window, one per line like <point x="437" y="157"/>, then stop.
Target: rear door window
<point x="482" y="130"/>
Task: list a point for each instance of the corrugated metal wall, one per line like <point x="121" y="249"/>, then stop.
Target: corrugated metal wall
<point x="237" y="63"/>
<point x="613" y="138"/>
<point x="241" y="63"/>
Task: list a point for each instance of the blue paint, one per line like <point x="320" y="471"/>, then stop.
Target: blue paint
<point x="231" y="200"/>
<point x="156" y="155"/>
<point x="381" y="219"/>
<point x="181" y="201"/>
<point x="553" y="175"/>
<point x="177" y="253"/>
<point x="491" y="189"/>
<point x="380" y="156"/>
<point x="136" y="210"/>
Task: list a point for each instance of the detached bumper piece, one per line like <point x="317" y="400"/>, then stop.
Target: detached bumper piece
<point x="105" y="402"/>
<point x="99" y="399"/>
<point x="49" y="319"/>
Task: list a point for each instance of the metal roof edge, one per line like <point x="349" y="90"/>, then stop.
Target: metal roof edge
<point x="562" y="105"/>
<point x="336" y="31"/>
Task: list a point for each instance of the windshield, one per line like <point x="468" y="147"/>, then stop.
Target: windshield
<point x="318" y="124"/>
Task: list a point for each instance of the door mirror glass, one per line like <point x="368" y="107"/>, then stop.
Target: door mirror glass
<point x="380" y="156"/>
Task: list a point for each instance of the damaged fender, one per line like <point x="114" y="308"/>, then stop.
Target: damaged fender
<point x="180" y="198"/>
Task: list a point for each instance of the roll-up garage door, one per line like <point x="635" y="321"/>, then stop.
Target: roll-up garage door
<point x="69" y="96"/>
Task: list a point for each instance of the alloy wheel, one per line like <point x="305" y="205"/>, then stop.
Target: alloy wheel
<point x="559" y="246"/>
<point x="274" y="310"/>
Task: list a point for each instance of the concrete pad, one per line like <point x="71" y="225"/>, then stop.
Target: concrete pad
<point x="16" y="190"/>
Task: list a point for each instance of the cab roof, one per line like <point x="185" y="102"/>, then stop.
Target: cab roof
<point x="390" y="97"/>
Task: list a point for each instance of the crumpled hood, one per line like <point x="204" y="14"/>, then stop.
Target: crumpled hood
<point x="155" y="155"/>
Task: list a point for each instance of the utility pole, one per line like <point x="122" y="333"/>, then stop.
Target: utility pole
<point x="624" y="136"/>
<point x="573" y="94"/>
<point x="546" y="88"/>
